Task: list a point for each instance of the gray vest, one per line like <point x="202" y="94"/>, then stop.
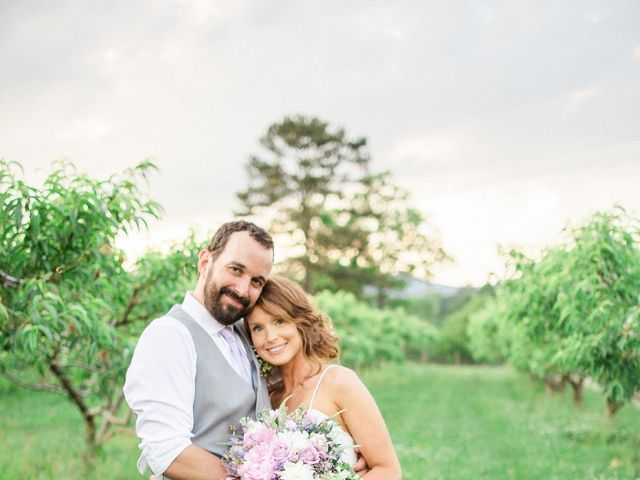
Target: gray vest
<point x="222" y="396"/>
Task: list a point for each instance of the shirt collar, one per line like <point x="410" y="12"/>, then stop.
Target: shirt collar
<point x="201" y="315"/>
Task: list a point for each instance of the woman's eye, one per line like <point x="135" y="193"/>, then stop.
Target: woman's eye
<point x="279" y="321"/>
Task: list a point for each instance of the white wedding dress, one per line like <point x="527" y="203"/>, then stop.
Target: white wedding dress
<point x="343" y="438"/>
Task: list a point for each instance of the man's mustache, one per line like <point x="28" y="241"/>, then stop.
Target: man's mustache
<point x="244" y="301"/>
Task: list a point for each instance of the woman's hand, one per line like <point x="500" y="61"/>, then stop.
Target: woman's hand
<point x="361" y="465"/>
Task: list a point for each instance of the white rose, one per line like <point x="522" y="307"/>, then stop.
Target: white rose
<point x="297" y="439"/>
<point x="296" y="471"/>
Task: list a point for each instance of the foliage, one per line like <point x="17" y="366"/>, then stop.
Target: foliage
<point x="574" y="312"/>
<point x="489" y="335"/>
<point x="426" y="307"/>
<point x="453" y="345"/>
<point x="369" y="335"/>
<point x="349" y="227"/>
<point x="74" y="313"/>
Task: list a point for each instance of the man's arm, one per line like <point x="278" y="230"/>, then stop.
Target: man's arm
<point x="160" y="389"/>
<point x="195" y="463"/>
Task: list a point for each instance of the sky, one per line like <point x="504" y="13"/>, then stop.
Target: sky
<point x="505" y="120"/>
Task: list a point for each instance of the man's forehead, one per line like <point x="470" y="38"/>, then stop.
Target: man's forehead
<point x="242" y="249"/>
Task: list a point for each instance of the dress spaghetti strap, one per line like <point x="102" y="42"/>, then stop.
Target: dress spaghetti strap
<point x="315" y="391"/>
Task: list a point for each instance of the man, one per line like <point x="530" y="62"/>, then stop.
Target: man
<point x="193" y="372"/>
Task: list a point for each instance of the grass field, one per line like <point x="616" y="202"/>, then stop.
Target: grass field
<point x="447" y="423"/>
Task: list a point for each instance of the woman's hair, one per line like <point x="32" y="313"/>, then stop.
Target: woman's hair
<point x="285" y="299"/>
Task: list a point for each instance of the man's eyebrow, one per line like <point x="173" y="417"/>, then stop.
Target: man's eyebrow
<point x="244" y="267"/>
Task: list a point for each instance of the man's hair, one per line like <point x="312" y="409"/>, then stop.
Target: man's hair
<point x="221" y="237"/>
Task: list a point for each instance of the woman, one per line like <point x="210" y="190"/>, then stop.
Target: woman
<point x="290" y="333"/>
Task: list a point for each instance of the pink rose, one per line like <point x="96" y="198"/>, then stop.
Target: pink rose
<point x="258" y="433"/>
<point x="257" y="464"/>
<point x="256" y="471"/>
<point x="280" y="450"/>
<point x="309" y="455"/>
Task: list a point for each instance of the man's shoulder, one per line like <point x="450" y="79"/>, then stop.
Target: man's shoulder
<point x="165" y="325"/>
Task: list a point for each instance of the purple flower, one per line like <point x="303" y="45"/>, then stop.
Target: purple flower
<point x="309" y="455"/>
<point x="280" y="450"/>
<point x="319" y="442"/>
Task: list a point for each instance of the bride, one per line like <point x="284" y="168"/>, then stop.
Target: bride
<point x="290" y="333"/>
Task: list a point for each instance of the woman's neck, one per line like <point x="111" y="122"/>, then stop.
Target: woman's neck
<point x="297" y="371"/>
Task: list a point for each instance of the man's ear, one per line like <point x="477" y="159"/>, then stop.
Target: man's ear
<point x="204" y="257"/>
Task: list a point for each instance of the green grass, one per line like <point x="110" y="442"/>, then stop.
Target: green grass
<point x="490" y="423"/>
<point x="446" y="422"/>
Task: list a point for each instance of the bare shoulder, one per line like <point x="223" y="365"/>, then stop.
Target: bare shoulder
<point x="341" y="379"/>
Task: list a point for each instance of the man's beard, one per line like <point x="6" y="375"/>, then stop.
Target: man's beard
<point x="224" y="313"/>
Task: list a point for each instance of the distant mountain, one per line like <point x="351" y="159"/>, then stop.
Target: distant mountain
<point x="418" y="288"/>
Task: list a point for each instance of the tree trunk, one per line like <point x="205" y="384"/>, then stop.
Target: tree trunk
<point x="577" y="383"/>
<point x="555" y="383"/>
<point x="612" y="407"/>
<point x="74" y="395"/>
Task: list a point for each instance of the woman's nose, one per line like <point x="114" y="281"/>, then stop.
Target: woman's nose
<point x="272" y="333"/>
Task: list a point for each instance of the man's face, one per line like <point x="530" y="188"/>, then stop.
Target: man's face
<point x="234" y="281"/>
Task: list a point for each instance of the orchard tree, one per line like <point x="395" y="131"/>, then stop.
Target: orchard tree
<point x="350" y="227"/>
<point x="71" y="312"/>
<point x="575" y="311"/>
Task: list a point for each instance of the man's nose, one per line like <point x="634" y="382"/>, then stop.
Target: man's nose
<point x="242" y="286"/>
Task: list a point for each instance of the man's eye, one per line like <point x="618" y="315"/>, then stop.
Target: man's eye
<point x="257" y="283"/>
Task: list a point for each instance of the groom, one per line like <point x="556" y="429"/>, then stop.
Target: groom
<point x="193" y="372"/>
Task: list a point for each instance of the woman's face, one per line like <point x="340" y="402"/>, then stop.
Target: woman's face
<point x="276" y="340"/>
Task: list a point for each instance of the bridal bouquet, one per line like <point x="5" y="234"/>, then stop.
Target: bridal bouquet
<point x="281" y="446"/>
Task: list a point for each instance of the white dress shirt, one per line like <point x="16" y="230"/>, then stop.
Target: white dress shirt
<point x="160" y="384"/>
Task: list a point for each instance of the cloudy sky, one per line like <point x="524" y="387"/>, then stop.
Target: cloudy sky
<point x="505" y="119"/>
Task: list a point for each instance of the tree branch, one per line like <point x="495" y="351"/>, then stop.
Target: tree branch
<point x="133" y="302"/>
<point x="89" y="417"/>
<point x="109" y="418"/>
<point x="85" y="366"/>
<point x="31" y="386"/>
<point x="9" y="281"/>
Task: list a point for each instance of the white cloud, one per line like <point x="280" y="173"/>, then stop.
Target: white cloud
<point x="579" y="97"/>
<point x="85" y="129"/>
<point x="437" y="148"/>
<point x="593" y="19"/>
<point x="636" y="52"/>
<point x="392" y="32"/>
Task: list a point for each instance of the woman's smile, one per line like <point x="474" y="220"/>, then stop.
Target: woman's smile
<point x="277" y="349"/>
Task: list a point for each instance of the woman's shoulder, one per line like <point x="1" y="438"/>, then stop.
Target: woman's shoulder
<point x="340" y="378"/>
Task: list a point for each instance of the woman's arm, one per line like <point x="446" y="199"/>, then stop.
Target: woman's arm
<point x="364" y="422"/>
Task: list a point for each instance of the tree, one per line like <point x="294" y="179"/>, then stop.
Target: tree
<point x="71" y="314"/>
<point x="349" y="227"/>
<point x="575" y="311"/>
